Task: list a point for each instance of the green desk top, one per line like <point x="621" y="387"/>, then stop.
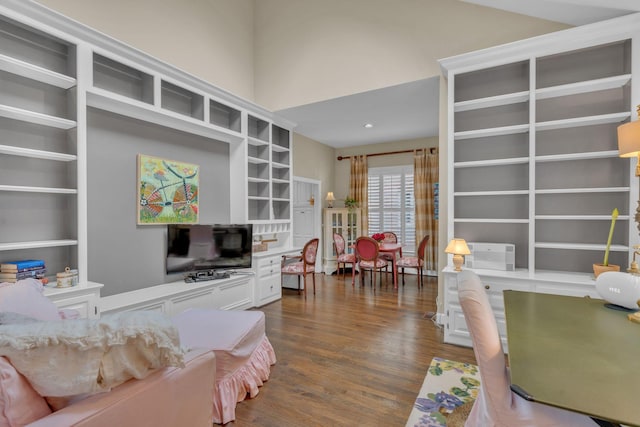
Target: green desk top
<point x="574" y="353"/>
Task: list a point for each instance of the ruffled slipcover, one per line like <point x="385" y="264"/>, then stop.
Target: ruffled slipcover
<point x="243" y="352"/>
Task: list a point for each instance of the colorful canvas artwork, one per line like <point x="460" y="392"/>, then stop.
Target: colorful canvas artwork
<point x="167" y="191"/>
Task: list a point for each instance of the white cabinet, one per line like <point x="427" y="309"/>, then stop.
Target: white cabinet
<point x="39" y="162"/>
<point x="268" y="279"/>
<point x="83" y="298"/>
<point x="234" y="293"/>
<point x="343" y="221"/>
<point x="495" y="283"/>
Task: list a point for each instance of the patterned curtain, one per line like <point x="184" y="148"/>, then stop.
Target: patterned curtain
<point x="358" y="187"/>
<point x="425" y="182"/>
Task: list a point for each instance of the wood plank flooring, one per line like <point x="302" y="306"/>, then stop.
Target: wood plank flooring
<point x="348" y="355"/>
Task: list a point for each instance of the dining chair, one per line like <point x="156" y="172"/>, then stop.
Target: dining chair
<point x="302" y="265"/>
<point x="496" y="404"/>
<point x="389" y="237"/>
<point x="368" y="255"/>
<point x="416" y="262"/>
<point x="342" y="257"/>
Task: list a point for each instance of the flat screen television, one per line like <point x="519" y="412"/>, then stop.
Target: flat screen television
<point x="197" y="247"/>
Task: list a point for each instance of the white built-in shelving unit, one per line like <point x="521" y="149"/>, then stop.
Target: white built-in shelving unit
<point x="52" y="70"/>
<point x="533" y="157"/>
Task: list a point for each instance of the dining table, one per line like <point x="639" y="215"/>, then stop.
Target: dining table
<point x="394" y="249"/>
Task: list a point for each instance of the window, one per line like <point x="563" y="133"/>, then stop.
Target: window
<point x="392" y="204"/>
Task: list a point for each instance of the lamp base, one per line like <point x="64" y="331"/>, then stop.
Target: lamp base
<point x="458" y="260"/>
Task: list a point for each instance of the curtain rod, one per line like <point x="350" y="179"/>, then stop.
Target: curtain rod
<point x="432" y="150"/>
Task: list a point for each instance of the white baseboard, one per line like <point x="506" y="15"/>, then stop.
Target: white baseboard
<point x="440" y="318"/>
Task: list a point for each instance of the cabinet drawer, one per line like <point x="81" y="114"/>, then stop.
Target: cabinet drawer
<point x="273" y="261"/>
<point x="269" y="287"/>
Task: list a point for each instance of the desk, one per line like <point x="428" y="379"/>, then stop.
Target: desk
<point x="575" y="354"/>
<point x="392" y="248"/>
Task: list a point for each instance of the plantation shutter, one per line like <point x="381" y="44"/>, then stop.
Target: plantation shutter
<point x="392" y="203"/>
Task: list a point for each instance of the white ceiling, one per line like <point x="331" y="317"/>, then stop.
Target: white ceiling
<point x="410" y="110"/>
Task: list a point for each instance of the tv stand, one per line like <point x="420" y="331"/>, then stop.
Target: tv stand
<point x="202" y="276"/>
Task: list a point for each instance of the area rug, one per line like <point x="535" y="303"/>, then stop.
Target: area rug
<point x="447" y="386"/>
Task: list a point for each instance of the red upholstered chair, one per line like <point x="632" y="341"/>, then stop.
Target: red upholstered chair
<point x="342" y="257"/>
<point x="368" y="257"/>
<point x="414" y="261"/>
<point x="302" y="265"/>
<point x="389" y="237"/>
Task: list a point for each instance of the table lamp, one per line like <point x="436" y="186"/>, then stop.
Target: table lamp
<point x="457" y="247"/>
<point x="629" y="146"/>
<point x="330" y="199"/>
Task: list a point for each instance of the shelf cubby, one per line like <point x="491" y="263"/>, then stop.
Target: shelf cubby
<point x="494" y="178"/>
<point x="258" y="129"/>
<point x="598" y="103"/>
<point x="182" y="101"/>
<point x="281" y="209"/>
<point x="258" y="170"/>
<point x="582" y="203"/>
<point x="119" y="78"/>
<point x="35" y="97"/>
<point x="498" y="206"/>
<point x="280" y="138"/>
<point x="281" y="157"/>
<point x="280" y="190"/>
<point x="281" y="173"/>
<point x="258" y="209"/>
<point x="490" y="82"/>
<point x="35" y="47"/>
<point x="258" y="188"/>
<point x="500" y="116"/>
<point x="258" y="152"/>
<point x="224" y="116"/>
<point x="572" y="259"/>
<point x="499" y="232"/>
<point x="581" y="139"/>
<point x="498" y="147"/>
<point x="583" y="173"/>
<point x="591" y="63"/>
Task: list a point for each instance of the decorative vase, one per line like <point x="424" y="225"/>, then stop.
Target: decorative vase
<point x="598" y="269"/>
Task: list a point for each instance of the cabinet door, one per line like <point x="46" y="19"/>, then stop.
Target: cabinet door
<point x="86" y="305"/>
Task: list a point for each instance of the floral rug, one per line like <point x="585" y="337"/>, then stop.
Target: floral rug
<point x="448" y="384"/>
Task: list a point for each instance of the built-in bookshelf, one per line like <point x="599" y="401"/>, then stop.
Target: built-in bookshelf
<point x="53" y="72"/>
<point x="533" y="157"/>
<point x="38" y="153"/>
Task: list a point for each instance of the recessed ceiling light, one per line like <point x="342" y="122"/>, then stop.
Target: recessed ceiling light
<point x="368" y="125"/>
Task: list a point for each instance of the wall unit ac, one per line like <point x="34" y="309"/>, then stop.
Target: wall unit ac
<point x="491" y="256"/>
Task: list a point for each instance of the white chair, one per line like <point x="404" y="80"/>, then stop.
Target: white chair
<point x="496" y="404"/>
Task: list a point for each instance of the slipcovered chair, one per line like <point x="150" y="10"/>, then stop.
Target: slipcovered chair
<point x="368" y="256"/>
<point x="303" y="265"/>
<point x="342" y="257"/>
<point x="414" y="261"/>
<point x="496" y="404"/>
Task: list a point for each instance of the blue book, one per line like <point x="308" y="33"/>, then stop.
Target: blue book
<point x="22" y="265"/>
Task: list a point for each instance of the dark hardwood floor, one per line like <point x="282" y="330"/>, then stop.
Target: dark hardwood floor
<point x="348" y="355"/>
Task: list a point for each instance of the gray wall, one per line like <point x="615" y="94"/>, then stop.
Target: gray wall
<point x="123" y="255"/>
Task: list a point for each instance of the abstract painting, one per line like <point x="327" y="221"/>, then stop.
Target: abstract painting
<point x="167" y="191"/>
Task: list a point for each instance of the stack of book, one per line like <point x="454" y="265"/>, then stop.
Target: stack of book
<point x="13" y="271"/>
